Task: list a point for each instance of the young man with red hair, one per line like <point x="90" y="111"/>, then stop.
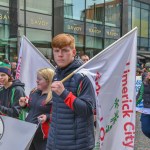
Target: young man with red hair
<point x="72" y="125"/>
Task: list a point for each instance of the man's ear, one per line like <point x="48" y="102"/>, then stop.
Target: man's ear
<point x="74" y="52"/>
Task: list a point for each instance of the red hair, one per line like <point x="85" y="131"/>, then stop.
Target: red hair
<point x="62" y="40"/>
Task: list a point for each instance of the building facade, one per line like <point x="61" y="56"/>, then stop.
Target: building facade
<point x="95" y="24"/>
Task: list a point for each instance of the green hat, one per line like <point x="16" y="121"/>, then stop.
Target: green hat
<point x="5" y="68"/>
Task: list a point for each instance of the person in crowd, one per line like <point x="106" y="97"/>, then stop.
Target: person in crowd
<point x="10" y="92"/>
<point x="145" y="71"/>
<point x="13" y="69"/>
<point x="6" y="61"/>
<point x="85" y="58"/>
<point x="72" y="126"/>
<point x="144" y="94"/>
<point x="39" y="105"/>
<point x="138" y="72"/>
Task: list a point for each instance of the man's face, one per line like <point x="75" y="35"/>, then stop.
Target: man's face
<point x="85" y="58"/>
<point x="64" y="56"/>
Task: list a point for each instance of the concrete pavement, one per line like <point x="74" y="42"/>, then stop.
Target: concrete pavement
<point x="141" y="141"/>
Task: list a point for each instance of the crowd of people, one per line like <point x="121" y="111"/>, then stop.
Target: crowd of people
<point x="64" y="112"/>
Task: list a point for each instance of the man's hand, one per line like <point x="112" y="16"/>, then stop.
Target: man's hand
<point x="57" y="87"/>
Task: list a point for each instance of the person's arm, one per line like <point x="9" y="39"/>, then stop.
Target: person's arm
<point x="140" y="94"/>
<point x="15" y="108"/>
<point x="84" y="103"/>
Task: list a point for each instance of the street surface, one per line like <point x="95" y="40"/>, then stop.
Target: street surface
<point x="141" y="141"/>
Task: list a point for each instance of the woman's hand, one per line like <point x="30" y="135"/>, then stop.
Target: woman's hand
<point x="42" y="118"/>
<point x="23" y="101"/>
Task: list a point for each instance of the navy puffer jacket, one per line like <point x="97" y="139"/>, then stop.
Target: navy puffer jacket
<point x="72" y="129"/>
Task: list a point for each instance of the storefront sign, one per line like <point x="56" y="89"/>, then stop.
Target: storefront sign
<point x="39" y="22"/>
<point x="35" y="20"/>
<point x="73" y="26"/>
<point x="112" y="33"/>
<point x="4" y="16"/>
<point x="94" y="30"/>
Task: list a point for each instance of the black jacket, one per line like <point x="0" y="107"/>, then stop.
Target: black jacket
<point x="9" y="98"/>
<point x="37" y="107"/>
<point x="72" y="129"/>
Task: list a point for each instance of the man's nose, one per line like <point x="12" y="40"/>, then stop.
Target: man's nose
<point x="60" y="53"/>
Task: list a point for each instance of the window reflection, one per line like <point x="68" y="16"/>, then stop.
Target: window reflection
<point x="4" y="15"/>
<point x="144" y="23"/>
<point x="4" y="2"/>
<point x="112" y="13"/>
<point x="95" y="11"/>
<point x="136" y="18"/>
<point x="39" y="6"/>
<point x="73" y="10"/>
<point x="93" y="42"/>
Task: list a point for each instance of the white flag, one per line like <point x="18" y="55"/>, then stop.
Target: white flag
<point x="29" y="62"/>
<point x="112" y="73"/>
<point x="15" y="134"/>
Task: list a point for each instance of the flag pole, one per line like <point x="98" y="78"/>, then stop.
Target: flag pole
<point x="70" y="75"/>
<point x="67" y="77"/>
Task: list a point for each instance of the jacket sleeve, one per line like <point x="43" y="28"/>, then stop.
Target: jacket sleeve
<point x="139" y="96"/>
<point x="15" y="108"/>
<point x="84" y="103"/>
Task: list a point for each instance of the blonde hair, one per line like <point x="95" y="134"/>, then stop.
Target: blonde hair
<point x="62" y="40"/>
<point x="47" y="74"/>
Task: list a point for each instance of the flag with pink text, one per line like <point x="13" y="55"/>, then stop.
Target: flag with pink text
<point x="29" y="62"/>
<point x="112" y="73"/>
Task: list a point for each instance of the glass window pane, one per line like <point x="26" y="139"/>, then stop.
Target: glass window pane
<point x="144" y="6"/>
<point x="79" y="39"/>
<point x="95" y="11"/>
<point x="136" y="4"/>
<point x="40" y="21"/>
<point x="74" y="9"/>
<point x="8" y="47"/>
<point x="144" y="42"/>
<point x="4" y="15"/>
<point x="4" y="2"/>
<point x="129" y="17"/>
<point x="144" y="23"/>
<point x="129" y="2"/>
<point x="93" y="42"/>
<point x="93" y="29"/>
<point x="39" y="6"/>
<point x="138" y="41"/>
<point x="73" y="26"/>
<point x="112" y="13"/>
<point x="136" y="18"/>
<point x="39" y="35"/>
<point x="111" y="32"/>
<point x="21" y="4"/>
<point x="108" y="42"/>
